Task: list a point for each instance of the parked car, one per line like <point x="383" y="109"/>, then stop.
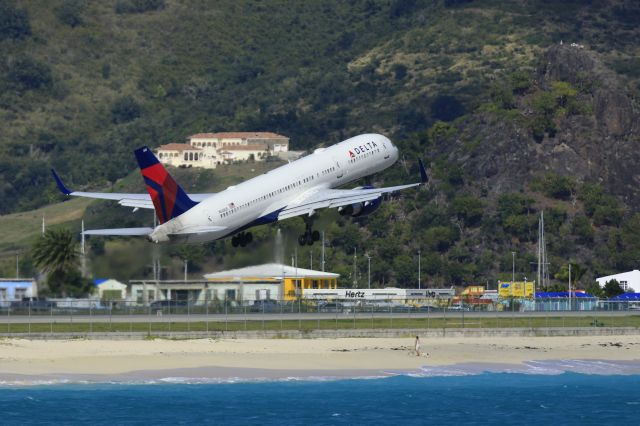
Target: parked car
<point x="331" y="307"/>
<point x="35" y="303"/>
<point x="266" y="305"/>
<point x="169" y="304"/>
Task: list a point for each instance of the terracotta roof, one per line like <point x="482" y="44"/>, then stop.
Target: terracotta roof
<point x="256" y="147"/>
<point x="178" y="147"/>
<point x="239" y="135"/>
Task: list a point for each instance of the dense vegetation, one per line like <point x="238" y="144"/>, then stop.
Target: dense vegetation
<point x="84" y="83"/>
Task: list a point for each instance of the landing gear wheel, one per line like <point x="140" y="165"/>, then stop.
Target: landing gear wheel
<point x="302" y="239"/>
<point x="315" y="235"/>
<point x="248" y="237"/>
<point x="309" y="239"/>
<point x="234" y="241"/>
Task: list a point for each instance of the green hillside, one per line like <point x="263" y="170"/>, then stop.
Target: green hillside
<point x="509" y="115"/>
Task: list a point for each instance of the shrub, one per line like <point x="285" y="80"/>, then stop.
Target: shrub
<point x="28" y="74"/>
<point x="14" y="23"/>
<point x="70" y="12"/>
<point x="440" y="238"/>
<point x="138" y="6"/>
<point x="581" y="227"/>
<point x="468" y="209"/>
<point x="125" y="109"/>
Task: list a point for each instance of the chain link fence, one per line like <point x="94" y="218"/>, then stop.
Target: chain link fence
<point x="166" y="316"/>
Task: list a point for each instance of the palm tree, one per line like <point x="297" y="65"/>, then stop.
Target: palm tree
<point x="55" y="252"/>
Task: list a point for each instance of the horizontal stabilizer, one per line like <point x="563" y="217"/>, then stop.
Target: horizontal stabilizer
<point x="123" y="232"/>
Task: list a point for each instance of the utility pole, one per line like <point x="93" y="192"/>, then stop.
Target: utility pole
<point x="570" y="305"/>
<point x="186" y="262"/>
<point x="322" y="251"/>
<point x="419" y="282"/>
<point x="311" y="259"/>
<point x="513" y="270"/>
<point x="369" y="270"/>
<point x="83" y="252"/>
<point x="42" y="224"/>
<point x="355" y="274"/>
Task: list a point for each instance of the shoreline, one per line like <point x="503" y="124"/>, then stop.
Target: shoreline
<point x="230" y="360"/>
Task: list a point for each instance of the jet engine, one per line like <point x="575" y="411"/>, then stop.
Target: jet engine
<point x="360" y="209"/>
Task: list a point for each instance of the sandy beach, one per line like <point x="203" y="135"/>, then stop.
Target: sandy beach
<point x="274" y="358"/>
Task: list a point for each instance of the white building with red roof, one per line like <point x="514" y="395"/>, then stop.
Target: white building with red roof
<point x="207" y="150"/>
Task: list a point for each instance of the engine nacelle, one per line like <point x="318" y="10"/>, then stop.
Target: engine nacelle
<point x="360" y="209"/>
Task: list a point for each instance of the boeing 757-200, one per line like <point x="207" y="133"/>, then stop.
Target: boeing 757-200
<point x="299" y="188"/>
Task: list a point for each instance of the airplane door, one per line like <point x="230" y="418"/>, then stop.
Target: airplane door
<point x="339" y="170"/>
<point x="386" y="150"/>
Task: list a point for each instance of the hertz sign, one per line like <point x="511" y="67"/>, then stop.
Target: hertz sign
<point x="516" y="289"/>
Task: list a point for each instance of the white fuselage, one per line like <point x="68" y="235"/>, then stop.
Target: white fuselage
<point x="258" y="200"/>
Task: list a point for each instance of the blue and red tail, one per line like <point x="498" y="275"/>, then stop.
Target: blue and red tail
<point x="169" y="199"/>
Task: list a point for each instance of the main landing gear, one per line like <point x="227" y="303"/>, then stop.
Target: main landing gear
<point x="309" y="236"/>
<point x="241" y="239"/>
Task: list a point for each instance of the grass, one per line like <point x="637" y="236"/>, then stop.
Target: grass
<point x="19" y="230"/>
<point x="341" y="323"/>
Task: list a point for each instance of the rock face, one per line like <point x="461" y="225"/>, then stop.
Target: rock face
<point x="612" y="107"/>
<point x="601" y="144"/>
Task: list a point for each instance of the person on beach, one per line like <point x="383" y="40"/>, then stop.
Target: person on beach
<point x="417" y="346"/>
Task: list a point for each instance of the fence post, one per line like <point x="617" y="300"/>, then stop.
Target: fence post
<point x="226" y="319"/>
<point x="188" y="316"/>
<point x="51" y="318"/>
<point x="299" y="313"/>
<point x="206" y="318"/>
<point x="428" y="307"/>
<point x="90" y="318"/>
<point x="372" y="316"/>
<point x="29" y="317"/>
<point x="354" y="315"/>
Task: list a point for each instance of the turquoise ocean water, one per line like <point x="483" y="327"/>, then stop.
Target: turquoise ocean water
<point x="447" y="396"/>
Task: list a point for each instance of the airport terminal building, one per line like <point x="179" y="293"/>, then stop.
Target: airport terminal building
<point x="243" y="286"/>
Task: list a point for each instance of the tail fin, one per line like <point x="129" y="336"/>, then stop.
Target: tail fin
<point x="169" y="199"/>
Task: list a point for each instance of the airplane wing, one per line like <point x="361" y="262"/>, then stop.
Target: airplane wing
<point x="141" y="201"/>
<point x="122" y="232"/>
<point x="138" y="232"/>
<point x="328" y="198"/>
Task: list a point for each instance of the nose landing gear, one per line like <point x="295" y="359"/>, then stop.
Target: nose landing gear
<point x="241" y="239"/>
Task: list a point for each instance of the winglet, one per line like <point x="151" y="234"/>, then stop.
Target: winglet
<point x="423" y="173"/>
<point x="61" y="187"/>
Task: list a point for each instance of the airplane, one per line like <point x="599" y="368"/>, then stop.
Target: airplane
<point x="299" y="188"/>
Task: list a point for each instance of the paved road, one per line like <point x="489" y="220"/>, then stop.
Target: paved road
<point x="155" y="317"/>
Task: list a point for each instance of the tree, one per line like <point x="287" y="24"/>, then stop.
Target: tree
<point x="446" y="108"/>
<point x="70" y="13"/>
<point x="612" y="289"/>
<point x="14" y="23"/>
<point x="125" y="109"/>
<point x="28" y="74"/>
<point x="594" y="289"/>
<point x="55" y="252"/>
